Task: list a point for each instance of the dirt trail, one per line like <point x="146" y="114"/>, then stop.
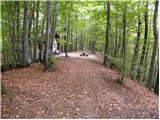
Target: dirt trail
<point x="79" y="88"/>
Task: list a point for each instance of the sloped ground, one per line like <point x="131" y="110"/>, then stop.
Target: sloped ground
<point x="79" y="88"/>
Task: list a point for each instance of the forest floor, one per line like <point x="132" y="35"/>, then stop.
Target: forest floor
<point x="79" y="88"/>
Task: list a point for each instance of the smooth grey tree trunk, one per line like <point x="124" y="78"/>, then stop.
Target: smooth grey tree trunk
<point x="25" y="35"/>
<point x="41" y="51"/>
<point x="36" y="39"/>
<point x="147" y="57"/>
<point x="144" y="44"/>
<point x="116" y="32"/>
<point x="30" y="28"/>
<point x="47" y="34"/>
<point x="106" y="59"/>
<point x="155" y="46"/>
<point x="134" y="66"/>
<point x="14" y="33"/>
<point x="68" y="30"/>
<point x="18" y="33"/>
<point x="55" y="20"/>
<point x="124" y="44"/>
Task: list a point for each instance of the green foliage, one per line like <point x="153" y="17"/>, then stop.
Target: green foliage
<point x="52" y="63"/>
<point x="116" y="63"/>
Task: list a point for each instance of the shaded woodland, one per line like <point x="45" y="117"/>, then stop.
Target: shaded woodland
<point x="124" y="33"/>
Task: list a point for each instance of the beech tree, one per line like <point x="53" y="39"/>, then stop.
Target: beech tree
<point x="145" y="42"/>
<point x="106" y="55"/>
<point x="134" y="66"/>
<point x="124" y="43"/>
<point x="47" y="33"/>
<point x="25" y="50"/>
<point x="155" y="46"/>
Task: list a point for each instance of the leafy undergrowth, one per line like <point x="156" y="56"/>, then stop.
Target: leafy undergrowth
<point x="79" y="88"/>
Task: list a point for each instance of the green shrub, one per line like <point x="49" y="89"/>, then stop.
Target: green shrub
<point x="52" y="63"/>
<point x="116" y="63"/>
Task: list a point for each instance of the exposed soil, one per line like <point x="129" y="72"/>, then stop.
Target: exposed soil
<point x="79" y="88"/>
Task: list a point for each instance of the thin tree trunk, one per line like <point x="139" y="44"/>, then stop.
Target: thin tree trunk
<point x="155" y="72"/>
<point x="76" y="40"/>
<point x="124" y="44"/>
<point x="112" y="42"/>
<point x="47" y="34"/>
<point x="106" y="59"/>
<point x="25" y="35"/>
<point x="146" y="57"/>
<point x="18" y="36"/>
<point x="55" y="20"/>
<point x="119" y="41"/>
<point x="14" y="34"/>
<point x="3" y="59"/>
<point x="66" y="46"/>
<point x="93" y="46"/>
<point x="66" y="38"/>
<point x="41" y="40"/>
<point x="35" y="40"/>
<point x="76" y="33"/>
<point x="134" y="66"/>
<point x="144" y="44"/>
<point x="72" y="39"/>
<point x="116" y="31"/>
<point x="30" y="28"/>
<point x="68" y="30"/>
<point x="155" y="46"/>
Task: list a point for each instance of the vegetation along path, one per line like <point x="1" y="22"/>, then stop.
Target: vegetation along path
<point x="79" y="88"/>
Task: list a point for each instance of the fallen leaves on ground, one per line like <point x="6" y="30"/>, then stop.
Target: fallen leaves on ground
<point x="79" y="88"/>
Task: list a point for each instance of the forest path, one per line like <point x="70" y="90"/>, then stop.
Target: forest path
<point x="79" y="88"/>
<point x="77" y="55"/>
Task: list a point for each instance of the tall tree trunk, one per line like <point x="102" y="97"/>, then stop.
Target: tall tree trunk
<point x="134" y="66"/>
<point x="146" y="57"/>
<point x="18" y="33"/>
<point x="55" y="20"/>
<point x="119" y="41"/>
<point x="124" y="44"/>
<point x="72" y="38"/>
<point x="41" y="40"/>
<point x="30" y="27"/>
<point x="116" y="31"/>
<point x="4" y="52"/>
<point x="35" y="40"/>
<point x="76" y="40"/>
<point x="94" y="46"/>
<point x="67" y="38"/>
<point x="66" y="46"/>
<point x="106" y="59"/>
<point x="155" y="46"/>
<point x="47" y="34"/>
<point x="155" y="71"/>
<point x="25" y="35"/>
<point x="76" y="33"/>
<point x="144" y="44"/>
<point x="14" y="33"/>
<point x="68" y="30"/>
<point x="112" y="42"/>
